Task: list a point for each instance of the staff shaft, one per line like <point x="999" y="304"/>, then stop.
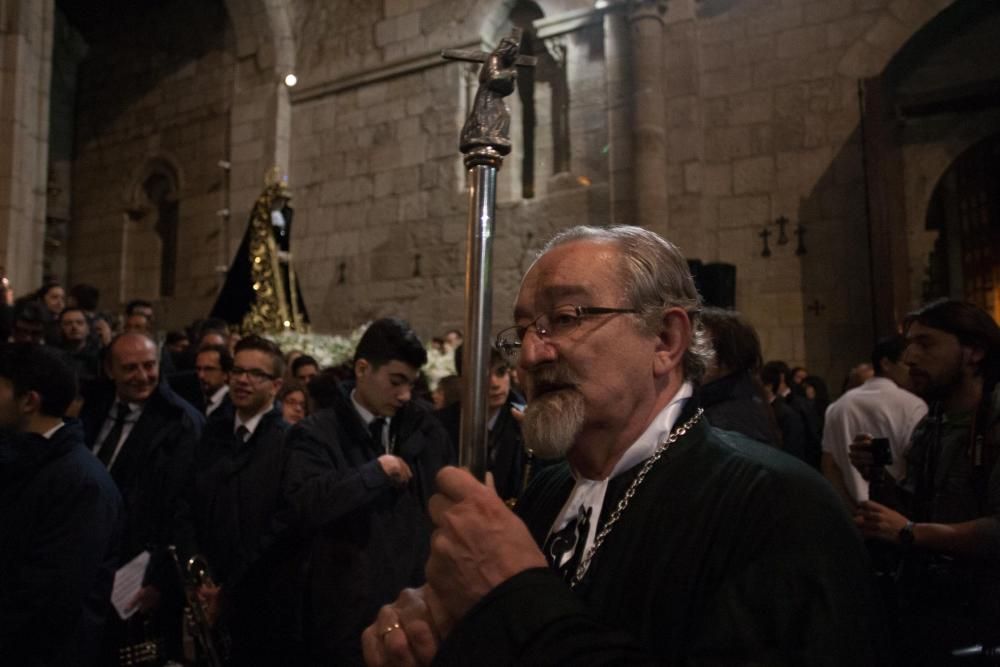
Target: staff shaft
<point x="478" y="318"/>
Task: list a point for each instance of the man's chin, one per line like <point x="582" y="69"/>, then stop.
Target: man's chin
<point x="552" y="423"/>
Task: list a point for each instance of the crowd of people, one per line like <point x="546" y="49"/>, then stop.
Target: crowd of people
<point x="658" y="493"/>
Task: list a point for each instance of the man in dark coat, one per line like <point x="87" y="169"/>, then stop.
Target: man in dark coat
<point x="507" y="458"/>
<point x="732" y="397"/>
<point x="359" y="476"/>
<point x="800" y="425"/>
<point x="60" y="518"/>
<point x="660" y="540"/>
<point x="235" y="503"/>
<point x="145" y="435"/>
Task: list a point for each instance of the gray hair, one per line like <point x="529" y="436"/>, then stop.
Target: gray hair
<point x="655" y="276"/>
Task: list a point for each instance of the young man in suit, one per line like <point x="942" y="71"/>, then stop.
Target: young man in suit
<point x="359" y="475"/>
<point x="236" y="509"/>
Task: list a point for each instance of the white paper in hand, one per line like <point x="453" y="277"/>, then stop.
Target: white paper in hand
<point x="128" y="582"/>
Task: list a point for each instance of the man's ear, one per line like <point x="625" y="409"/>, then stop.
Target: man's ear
<point x="974" y="355"/>
<point x="361" y="367"/>
<point x="30" y="402"/>
<point x="672" y="341"/>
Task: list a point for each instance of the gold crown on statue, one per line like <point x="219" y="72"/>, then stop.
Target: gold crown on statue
<point x="277" y="180"/>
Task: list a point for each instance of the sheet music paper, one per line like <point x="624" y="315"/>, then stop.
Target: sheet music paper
<point x="128" y="582"/>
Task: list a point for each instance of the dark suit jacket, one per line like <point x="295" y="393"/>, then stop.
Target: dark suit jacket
<point x="225" y="411"/>
<point x="151" y="470"/>
<point x="236" y="507"/>
<point x="507" y="458"/>
<point x="368" y="537"/>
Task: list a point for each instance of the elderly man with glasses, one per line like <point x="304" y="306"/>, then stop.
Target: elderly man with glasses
<point x="660" y="540"/>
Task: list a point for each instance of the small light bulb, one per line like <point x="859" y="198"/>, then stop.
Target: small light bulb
<point x="291" y="80"/>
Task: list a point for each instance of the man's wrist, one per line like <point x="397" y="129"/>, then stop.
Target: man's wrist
<point x="906" y="535"/>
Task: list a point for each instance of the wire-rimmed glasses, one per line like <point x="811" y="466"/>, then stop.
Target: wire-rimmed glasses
<point x="559" y="322"/>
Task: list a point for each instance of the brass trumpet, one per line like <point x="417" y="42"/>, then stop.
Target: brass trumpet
<point x="200" y="628"/>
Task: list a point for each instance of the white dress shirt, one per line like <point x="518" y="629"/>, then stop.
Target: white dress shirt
<point x="109" y="423"/>
<point x="590" y="493"/>
<point x="368" y="417"/>
<point x="216" y="399"/>
<point x="880" y="408"/>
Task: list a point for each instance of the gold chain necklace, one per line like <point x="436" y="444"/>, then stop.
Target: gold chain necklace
<point x="674" y="436"/>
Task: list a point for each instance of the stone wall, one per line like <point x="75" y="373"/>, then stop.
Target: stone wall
<point x="764" y="122"/>
<point x="379" y="185"/>
<point x="761" y="121"/>
<point x="158" y="92"/>
<point x="25" y="70"/>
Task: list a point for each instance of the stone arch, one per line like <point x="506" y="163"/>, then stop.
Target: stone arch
<point x="964" y="209"/>
<point x="264" y="30"/>
<point x="886" y="37"/>
<point x="923" y="108"/>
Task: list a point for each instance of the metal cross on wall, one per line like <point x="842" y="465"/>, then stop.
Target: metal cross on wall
<point x="782" y="222"/>
<point x="765" y="234"/>
<point x="800" y="232"/>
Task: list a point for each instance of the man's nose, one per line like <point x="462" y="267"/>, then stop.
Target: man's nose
<point x="535" y="350"/>
<point x="405" y="393"/>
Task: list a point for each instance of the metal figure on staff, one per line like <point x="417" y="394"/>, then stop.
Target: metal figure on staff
<point x="489" y="120"/>
<point x="485" y="141"/>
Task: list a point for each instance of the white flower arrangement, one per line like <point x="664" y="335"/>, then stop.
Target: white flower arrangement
<point x="333" y="350"/>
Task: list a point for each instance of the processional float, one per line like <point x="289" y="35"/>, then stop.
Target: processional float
<point x="261" y="293"/>
<point x="484" y="141"/>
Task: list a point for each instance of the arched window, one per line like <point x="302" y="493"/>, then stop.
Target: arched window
<point x="149" y="268"/>
<point x="965" y="209"/>
<point x="161" y="192"/>
<point x="551" y="70"/>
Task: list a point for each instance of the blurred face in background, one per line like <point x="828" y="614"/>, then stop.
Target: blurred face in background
<point x="293" y="407"/>
<point x="73" y="326"/>
<point x="55" y="299"/>
<point x="211" y="377"/>
<point x="136" y="323"/>
<point x="133" y="365"/>
<point x="103" y="331"/>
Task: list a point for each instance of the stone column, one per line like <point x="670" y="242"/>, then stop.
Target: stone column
<point x="617" y="54"/>
<point x="26" y="32"/>
<point x="649" y="138"/>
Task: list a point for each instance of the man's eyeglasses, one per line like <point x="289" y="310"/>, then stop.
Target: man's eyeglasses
<point x="255" y="374"/>
<point x="560" y="322"/>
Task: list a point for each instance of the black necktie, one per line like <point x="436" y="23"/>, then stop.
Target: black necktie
<point x="242" y="433"/>
<point x="110" y="443"/>
<point x="375" y="428"/>
<point x="570" y="540"/>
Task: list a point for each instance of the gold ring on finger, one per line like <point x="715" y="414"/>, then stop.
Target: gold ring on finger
<point x="386" y="631"/>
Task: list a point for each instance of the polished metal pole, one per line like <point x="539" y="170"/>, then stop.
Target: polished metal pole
<point x="483" y="165"/>
<point x="484" y="141"/>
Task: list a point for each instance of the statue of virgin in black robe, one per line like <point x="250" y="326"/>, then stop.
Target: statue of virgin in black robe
<point x="261" y="292"/>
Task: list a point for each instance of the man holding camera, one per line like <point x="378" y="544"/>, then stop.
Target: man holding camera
<point x="883" y="408"/>
<point x="947" y="519"/>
